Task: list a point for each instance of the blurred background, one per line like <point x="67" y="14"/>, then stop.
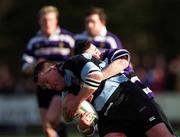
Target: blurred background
<point x="150" y="30"/>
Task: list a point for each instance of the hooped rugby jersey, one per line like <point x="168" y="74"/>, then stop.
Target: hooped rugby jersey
<point x="113" y="54"/>
<point x="57" y="47"/>
<point x="76" y="70"/>
<point x="106" y="40"/>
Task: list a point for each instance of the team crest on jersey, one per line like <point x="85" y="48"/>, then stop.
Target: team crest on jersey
<point x="61" y="45"/>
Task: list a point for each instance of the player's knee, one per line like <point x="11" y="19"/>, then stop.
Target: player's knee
<point x="159" y="130"/>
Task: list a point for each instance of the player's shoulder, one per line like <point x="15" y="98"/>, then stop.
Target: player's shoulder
<point x="67" y="32"/>
<point x="110" y="34"/>
<point x="113" y="37"/>
<point x="35" y="40"/>
<point x="78" y="58"/>
<point x="77" y="61"/>
<point x="81" y="36"/>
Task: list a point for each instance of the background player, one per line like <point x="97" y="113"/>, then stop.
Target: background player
<point x="51" y="43"/>
<point x="96" y="31"/>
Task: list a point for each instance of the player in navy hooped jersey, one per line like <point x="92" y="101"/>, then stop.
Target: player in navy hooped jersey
<point x="110" y="58"/>
<point x="113" y="67"/>
<point x="123" y="109"/>
<point x="50" y="43"/>
<point x="96" y="31"/>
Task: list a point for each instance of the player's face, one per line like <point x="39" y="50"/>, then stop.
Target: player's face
<point x="93" y="25"/>
<point x="94" y="51"/>
<point x="51" y="80"/>
<point x="49" y="23"/>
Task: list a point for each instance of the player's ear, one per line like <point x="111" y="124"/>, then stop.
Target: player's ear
<point x="103" y="22"/>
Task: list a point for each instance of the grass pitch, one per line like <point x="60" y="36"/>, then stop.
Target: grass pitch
<point x="70" y="134"/>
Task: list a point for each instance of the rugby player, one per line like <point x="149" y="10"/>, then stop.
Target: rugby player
<point x="123" y="108"/>
<point x="96" y="31"/>
<point x="51" y="43"/>
<point x="111" y="59"/>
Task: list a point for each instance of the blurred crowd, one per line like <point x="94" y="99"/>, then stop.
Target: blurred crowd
<point x="154" y="70"/>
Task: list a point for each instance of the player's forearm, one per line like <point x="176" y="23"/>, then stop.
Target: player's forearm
<point x="115" y="68"/>
<point x="90" y="85"/>
<point x="84" y="93"/>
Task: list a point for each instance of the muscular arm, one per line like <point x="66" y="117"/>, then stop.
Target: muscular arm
<point x="89" y="86"/>
<point x="115" y="67"/>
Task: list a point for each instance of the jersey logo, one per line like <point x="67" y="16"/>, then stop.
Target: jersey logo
<point x="61" y="45"/>
<point x="152" y="118"/>
<point x="106" y="112"/>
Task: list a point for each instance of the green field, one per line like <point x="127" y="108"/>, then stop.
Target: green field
<point x="70" y="134"/>
<point x="39" y="135"/>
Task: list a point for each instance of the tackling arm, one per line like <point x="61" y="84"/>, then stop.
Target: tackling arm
<point x="115" y="67"/>
<point x="89" y="86"/>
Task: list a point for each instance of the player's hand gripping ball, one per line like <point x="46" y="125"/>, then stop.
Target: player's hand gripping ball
<point x="84" y="107"/>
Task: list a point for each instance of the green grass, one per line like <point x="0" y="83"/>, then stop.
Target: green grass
<point x="39" y="135"/>
<point x="70" y="134"/>
<point x="178" y="132"/>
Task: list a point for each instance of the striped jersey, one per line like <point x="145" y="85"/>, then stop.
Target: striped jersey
<point x="106" y="40"/>
<point x="76" y="70"/>
<point x="109" y="56"/>
<point x="56" y="47"/>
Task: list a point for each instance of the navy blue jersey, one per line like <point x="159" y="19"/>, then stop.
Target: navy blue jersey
<point x="76" y="70"/>
<point x="111" y="55"/>
<point x="56" y="47"/>
<point x="106" y="40"/>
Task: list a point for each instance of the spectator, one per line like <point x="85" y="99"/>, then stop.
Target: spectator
<point x="24" y="85"/>
<point x="6" y="80"/>
<point x="158" y="74"/>
<point x="173" y="80"/>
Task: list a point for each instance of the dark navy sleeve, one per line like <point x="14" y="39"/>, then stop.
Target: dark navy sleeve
<point x="78" y="68"/>
<point x="75" y="65"/>
<point x="114" y="54"/>
<point x="118" y="44"/>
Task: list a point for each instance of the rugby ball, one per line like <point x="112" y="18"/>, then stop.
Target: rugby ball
<point x="85" y="107"/>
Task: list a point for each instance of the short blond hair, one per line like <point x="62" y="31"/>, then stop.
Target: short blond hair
<point x="47" y="9"/>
